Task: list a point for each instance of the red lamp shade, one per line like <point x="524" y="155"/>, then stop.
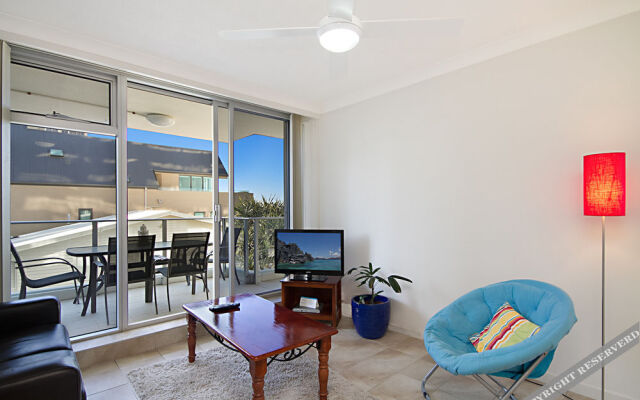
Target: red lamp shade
<point x="604" y="184"/>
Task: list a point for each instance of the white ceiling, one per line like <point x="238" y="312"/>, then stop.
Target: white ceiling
<point x="180" y="39"/>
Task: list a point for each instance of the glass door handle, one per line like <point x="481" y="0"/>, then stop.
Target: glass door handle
<point x="217" y="215"/>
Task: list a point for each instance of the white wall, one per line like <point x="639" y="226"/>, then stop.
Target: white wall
<point x="475" y="177"/>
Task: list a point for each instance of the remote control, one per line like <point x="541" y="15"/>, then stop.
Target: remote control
<point x="224" y="307"/>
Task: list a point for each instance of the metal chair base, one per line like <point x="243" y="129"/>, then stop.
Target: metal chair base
<point x="424" y="382"/>
<point x="500" y="392"/>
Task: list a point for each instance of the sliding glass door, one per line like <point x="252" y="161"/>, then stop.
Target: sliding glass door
<point x="260" y="148"/>
<point x="143" y="195"/>
<point x="222" y="273"/>
<point x="63" y="196"/>
<point x="253" y="147"/>
<point x="173" y="174"/>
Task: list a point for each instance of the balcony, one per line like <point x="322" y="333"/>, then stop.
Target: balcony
<point x="254" y="263"/>
<point x="67" y="161"/>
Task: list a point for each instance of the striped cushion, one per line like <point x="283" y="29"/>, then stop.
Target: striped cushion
<point x="506" y="328"/>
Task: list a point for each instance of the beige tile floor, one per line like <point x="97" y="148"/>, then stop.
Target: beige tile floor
<point x="389" y="368"/>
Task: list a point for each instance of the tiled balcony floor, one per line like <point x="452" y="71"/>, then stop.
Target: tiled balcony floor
<point x="139" y="310"/>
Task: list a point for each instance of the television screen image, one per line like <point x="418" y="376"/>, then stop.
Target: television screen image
<point x="309" y="251"/>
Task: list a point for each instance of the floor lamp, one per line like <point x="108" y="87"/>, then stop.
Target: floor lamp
<point x="604" y="196"/>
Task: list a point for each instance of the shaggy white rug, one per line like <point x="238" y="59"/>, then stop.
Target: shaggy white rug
<point x="221" y="374"/>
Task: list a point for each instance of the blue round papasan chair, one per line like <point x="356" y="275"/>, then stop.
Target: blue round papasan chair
<point x="446" y="335"/>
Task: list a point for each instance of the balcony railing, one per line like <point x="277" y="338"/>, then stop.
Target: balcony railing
<point x="254" y="250"/>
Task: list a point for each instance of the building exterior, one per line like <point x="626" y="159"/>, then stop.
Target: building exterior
<point x="64" y="175"/>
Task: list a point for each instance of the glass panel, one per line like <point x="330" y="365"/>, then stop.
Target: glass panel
<point x="196" y="183"/>
<point x="165" y="155"/>
<point x="85" y="213"/>
<point x="61" y="205"/>
<point x="57" y="95"/>
<point x="185" y="183"/>
<point x="206" y="184"/>
<point x="259" y="198"/>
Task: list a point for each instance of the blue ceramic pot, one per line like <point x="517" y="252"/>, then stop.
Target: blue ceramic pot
<point x="371" y="320"/>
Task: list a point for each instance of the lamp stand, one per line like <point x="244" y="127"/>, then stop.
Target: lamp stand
<point x="603" y="231"/>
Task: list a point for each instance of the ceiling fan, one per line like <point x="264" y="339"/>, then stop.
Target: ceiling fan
<point x="338" y="32"/>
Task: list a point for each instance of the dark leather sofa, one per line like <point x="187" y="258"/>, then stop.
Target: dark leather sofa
<point x="36" y="359"/>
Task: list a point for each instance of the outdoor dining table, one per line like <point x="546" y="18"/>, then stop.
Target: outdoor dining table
<point x="90" y="252"/>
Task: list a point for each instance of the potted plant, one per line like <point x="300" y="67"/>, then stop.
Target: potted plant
<point x="371" y="312"/>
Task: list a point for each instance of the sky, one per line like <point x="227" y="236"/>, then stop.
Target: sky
<point x="258" y="160"/>
<point x="317" y="244"/>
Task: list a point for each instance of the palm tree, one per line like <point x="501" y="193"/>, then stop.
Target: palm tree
<point x="248" y="207"/>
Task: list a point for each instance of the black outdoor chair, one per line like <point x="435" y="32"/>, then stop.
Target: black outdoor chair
<point x="140" y="267"/>
<point x="224" y="250"/>
<point x="188" y="258"/>
<point x="74" y="275"/>
<point x="224" y="253"/>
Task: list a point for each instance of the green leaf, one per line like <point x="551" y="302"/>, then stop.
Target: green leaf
<point x="394" y="284"/>
<point x="370" y="267"/>
<point x="376" y="270"/>
<point x="351" y="270"/>
<point x="402" y="278"/>
<point x="381" y="279"/>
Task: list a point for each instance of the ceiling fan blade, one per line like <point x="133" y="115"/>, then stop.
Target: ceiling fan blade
<point x="341" y="9"/>
<point x="386" y="27"/>
<point x="267" y="33"/>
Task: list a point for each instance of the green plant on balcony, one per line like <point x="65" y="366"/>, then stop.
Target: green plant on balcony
<point x="248" y="207"/>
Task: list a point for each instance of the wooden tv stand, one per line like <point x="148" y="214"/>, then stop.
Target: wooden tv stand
<point x="328" y="293"/>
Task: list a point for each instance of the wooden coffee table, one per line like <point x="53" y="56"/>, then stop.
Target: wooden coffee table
<point x="262" y="332"/>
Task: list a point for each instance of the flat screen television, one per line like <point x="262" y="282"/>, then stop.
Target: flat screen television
<point x="309" y="254"/>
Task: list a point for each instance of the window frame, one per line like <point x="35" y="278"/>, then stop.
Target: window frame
<point x="207" y="187"/>
<point x="194" y="186"/>
<point x="180" y="187"/>
<point x="62" y="65"/>
<point x="80" y="210"/>
<point x="119" y="81"/>
<point x="197" y="188"/>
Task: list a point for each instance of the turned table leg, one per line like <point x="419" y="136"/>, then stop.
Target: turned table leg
<point x="258" y="369"/>
<point x="191" y="338"/>
<point x="324" y="346"/>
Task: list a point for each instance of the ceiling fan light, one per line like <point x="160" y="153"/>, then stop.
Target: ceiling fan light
<point x="338" y="37"/>
<point x="160" y="119"/>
